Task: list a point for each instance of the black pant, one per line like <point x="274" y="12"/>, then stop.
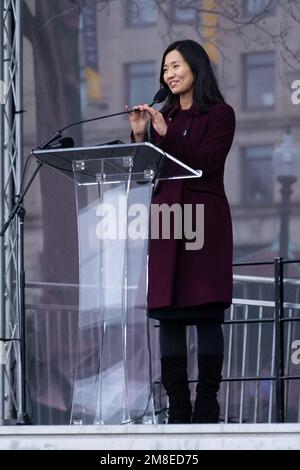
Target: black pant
<point x="173" y="337"/>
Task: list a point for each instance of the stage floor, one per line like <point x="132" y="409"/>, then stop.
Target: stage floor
<point x="152" y="437"/>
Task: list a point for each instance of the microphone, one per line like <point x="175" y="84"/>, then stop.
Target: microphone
<point x="63" y="143"/>
<point x="159" y="97"/>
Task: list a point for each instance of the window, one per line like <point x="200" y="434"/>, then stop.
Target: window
<point x="141" y="81"/>
<point x="259" y="81"/>
<point x="182" y="13"/>
<point x="257" y="7"/>
<point x="257" y="175"/>
<point x="141" y="13"/>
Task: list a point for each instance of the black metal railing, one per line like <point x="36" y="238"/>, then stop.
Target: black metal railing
<point x="256" y="378"/>
<point x="279" y="364"/>
<point x="260" y="327"/>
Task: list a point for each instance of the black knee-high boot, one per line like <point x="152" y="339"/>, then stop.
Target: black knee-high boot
<point x="175" y="380"/>
<point x="207" y="408"/>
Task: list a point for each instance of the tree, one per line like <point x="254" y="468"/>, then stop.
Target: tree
<point x="53" y="32"/>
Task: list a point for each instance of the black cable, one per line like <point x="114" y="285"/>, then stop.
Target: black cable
<point x="9" y="339"/>
<point x="23" y="175"/>
<point x="151" y="394"/>
<point x="140" y="417"/>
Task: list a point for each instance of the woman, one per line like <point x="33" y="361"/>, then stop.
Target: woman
<point x="191" y="286"/>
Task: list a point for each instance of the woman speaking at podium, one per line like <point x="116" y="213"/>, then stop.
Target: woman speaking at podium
<point x="191" y="286"/>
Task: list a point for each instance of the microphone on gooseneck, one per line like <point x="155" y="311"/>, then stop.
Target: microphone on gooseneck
<point x="63" y="143"/>
<point x="159" y="97"/>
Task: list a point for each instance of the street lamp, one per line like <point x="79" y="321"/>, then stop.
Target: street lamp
<point x="286" y="164"/>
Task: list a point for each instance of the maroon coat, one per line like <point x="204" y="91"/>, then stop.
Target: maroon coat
<point x="178" y="277"/>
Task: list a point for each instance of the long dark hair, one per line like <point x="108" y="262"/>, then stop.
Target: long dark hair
<point x="205" y="87"/>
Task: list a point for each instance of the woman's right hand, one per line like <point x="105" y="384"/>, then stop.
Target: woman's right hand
<point x="139" y="121"/>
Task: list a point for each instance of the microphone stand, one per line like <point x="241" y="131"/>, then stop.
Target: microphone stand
<point x="59" y="132"/>
<point x="18" y="209"/>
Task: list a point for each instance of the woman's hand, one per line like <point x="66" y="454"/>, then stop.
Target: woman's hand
<point x="157" y="119"/>
<point x="139" y="121"/>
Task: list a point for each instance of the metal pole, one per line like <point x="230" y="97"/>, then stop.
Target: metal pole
<point x="2" y="255"/>
<point x="23" y="417"/>
<point x="279" y="362"/>
<point x="10" y="169"/>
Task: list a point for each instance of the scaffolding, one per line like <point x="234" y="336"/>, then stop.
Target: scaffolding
<point x="11" y="399"/>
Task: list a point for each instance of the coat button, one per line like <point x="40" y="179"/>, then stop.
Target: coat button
<point x="185" y="132"/>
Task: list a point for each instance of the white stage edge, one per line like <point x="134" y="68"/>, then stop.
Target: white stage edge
<point x="152" y="437"/>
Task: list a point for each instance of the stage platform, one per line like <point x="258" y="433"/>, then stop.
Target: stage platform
<point x="152" y="437"/>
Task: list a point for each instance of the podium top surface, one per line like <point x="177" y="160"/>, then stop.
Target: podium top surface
<point x="145" y="157"/>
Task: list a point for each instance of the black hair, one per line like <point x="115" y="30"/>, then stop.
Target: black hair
<point x="205" y="87"/>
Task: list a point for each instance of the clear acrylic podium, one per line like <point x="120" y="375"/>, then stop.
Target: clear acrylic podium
<point x="113" y="187"/>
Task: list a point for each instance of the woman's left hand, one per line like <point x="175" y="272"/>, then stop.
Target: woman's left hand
<point x="157" y="120"/>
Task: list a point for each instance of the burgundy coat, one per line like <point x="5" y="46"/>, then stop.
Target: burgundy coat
<point x="178" y="277"/>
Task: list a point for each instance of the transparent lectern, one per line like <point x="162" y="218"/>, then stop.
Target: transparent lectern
<point x="113" y="186"/>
